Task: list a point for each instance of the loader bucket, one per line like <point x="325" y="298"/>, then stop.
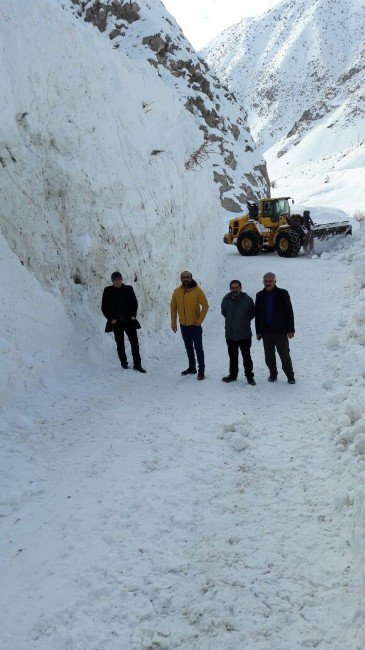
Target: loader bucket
<point x="327" y="235"/>
<point x="327" y="230"/>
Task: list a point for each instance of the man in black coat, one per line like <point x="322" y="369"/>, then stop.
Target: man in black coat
<point x="238" y="311"/>
<point x="119" y="306"/>
<point x="274" y="320"/>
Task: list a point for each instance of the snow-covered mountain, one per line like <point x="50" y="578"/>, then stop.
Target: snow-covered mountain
<point x="107" y="160"/>
<point x="299" y="71"/>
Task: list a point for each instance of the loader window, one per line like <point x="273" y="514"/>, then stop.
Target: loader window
<point x="282" y="207"/>
<point x="273" y="209"/>
<point x="268" y="209"/>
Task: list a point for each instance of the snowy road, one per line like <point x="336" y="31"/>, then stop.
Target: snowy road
<point x="160" y="512"/>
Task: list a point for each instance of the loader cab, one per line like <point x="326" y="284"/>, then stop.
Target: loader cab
<point x="273" y="209"/>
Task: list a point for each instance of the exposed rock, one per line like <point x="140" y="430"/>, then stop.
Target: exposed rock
<point x="153" y="62"/>
<point x="97" y="15"/>
<point x="114" y="33"/>
<point x="98" y="12"/>
<point x="226" y="181"/>
<point x="155" y="43"/>
<point x="251" y="179"/>
<point x="349" y="74"/>
<point x="214" y="138"/>
<point x="234" y="130"/>
<point x="262" y="172"/>
<point x="230" y="160"/>
<point x="230" y="205"/>
<point x="212" y="119"/>
<point x="128" y="11"/>
<point x="248" y="194"/>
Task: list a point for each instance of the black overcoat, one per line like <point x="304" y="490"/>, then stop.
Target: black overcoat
<point x="283" y="316"/>
<point x="118" y="303"/>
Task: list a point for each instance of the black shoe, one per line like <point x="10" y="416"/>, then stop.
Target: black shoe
<point x="228" y="379"/>
<point x="200" y="376"/>
<point x="272" y="378"/>
<point x="189" y="371"/>
<point x="251" y="381"/>
<point x="291" y="380"/>
<point x="139" y="369"/>
<point x="125" y="366"/>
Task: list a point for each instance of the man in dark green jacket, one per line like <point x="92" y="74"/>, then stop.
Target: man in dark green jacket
<point x="238" y="310"/>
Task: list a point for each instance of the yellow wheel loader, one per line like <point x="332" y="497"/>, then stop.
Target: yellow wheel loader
<point x="270" y="226"/>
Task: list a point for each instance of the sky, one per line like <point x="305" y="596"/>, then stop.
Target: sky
<point x="202" y="20"/>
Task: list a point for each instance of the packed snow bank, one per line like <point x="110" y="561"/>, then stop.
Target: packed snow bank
<point x="346" y="394"/>
<point x="93" y="150"/>
<point x="322" y="214"/>
<point x="35" y="330"/>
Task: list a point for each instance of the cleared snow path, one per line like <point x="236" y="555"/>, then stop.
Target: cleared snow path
<point x="160" y="512"/>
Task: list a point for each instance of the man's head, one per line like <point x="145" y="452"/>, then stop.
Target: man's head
<point x="269" y="281"/>
<point x="186" y="279"/>
<point x="117" y="279"/>
<point x="235" y="287"/>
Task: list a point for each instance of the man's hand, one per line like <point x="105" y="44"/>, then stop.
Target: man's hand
<point x="259" y="337"/>
<point x="174" y="328"/>
<point x="290" y="335"/>
<point x="114" y="321"/>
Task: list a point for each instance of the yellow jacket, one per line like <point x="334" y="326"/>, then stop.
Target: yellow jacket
<point x="191" y="305"/>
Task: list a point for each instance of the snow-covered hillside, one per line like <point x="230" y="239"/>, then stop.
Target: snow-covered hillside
<point x="299" y="71"/>
<point x="101" y="167"/>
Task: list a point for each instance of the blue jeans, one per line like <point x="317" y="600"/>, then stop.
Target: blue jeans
<point x="193" y="338"/>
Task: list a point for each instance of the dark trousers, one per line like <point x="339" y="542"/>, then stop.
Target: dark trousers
<point x="131" y="332"/>
<point x="280" y="343"/>
<point x="244" y="346"/>
<point x="193" y="338"/>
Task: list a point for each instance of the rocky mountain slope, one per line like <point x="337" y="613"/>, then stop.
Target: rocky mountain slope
<point x="299" y="71"/>
<point x="145" y="31"/>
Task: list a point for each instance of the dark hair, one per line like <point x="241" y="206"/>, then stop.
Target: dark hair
<point x="183" y="272"/>
<point x="235" y="282"/>
<point x="116" y="276"/>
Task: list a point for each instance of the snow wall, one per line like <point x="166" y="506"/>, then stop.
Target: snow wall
<point x="93" y="148"/>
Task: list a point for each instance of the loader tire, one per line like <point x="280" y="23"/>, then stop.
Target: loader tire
<point x="249" y="243"/>
<point x="288" y="243"/>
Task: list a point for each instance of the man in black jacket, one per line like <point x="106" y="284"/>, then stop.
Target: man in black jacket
<point x="274" y="321"/>
<point x="238" y="311"/>
<point x="119" y="306"/>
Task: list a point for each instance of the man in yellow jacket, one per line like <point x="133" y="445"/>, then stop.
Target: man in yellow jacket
<point x="189" y="302"/>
